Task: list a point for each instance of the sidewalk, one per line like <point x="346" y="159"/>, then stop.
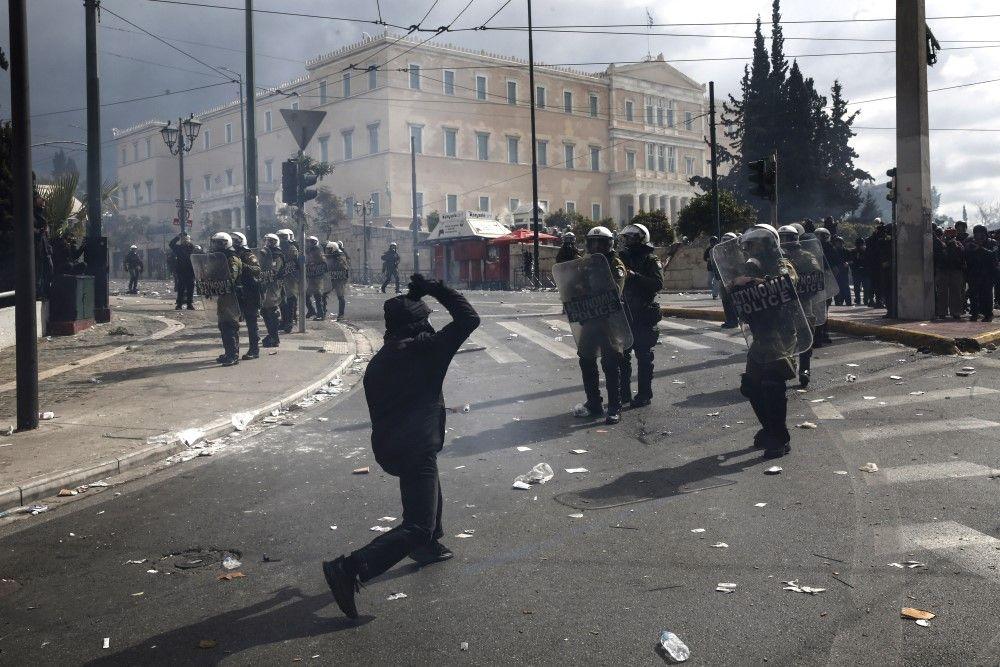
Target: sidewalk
<point x="121" y="392"/>
<point x="939" y="336"/>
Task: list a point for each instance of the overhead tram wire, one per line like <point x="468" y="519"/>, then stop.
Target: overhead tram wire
<point x="276" y="12"/>
<point x="134" y="99"/>
<point x="156" y="64"/>
<point x="409" y="31"/>
<point x="206" y="45"/>
<point x="218" y="71"/>
<point x="493" y="15"/>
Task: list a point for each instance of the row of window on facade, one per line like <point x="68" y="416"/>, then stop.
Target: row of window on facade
<point x="451" y="205"/>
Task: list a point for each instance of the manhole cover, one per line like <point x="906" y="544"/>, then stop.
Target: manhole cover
<point x="199" y="557"/>
<point x="8" y="586"/>
<point x="636" y="488"/>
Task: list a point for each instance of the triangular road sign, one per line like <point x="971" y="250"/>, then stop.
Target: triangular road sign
<point x="303" y="124"/>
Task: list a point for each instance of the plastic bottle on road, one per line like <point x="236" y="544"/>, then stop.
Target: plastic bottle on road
<point x="674" y="648"/>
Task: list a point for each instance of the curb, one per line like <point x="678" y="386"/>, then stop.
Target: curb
<point x="937" y="343"/>
<point x="18" y="495"/>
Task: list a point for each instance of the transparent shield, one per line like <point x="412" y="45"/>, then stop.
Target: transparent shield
<point x="268" y="268"/>
<point x="762" y="285"/>
<point x="807" y="258"/>
<point x="337" y="273"/>
<point x="593" y="305"/>
<point x="211" y="279"/>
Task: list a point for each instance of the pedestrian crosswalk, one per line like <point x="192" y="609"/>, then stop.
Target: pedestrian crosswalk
<point x="827" y="410"/>
<point x="548" y="343"/>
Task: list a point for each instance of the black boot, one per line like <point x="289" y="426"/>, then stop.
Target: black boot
<point x="775" y="409"/>
<point x="230" y="341"/>
<point x="293" y="310"/>
<point x="805" y="362"/>
<point x="341" y="307"/>
<point x="611" y="365"/>
<point x="625" y="378"/>
<point x="644" y="393"/>
<point x="310" y="311"/>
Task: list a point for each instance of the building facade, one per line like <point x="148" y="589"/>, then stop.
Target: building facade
<point x="610" y="144"/>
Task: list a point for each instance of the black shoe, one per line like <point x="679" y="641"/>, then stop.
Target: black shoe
<point x="592" y="411"/>
<point x="641" y="401"/>
<point x="231" y="361"/>
<point x="614" y="416"/>
<point x="288" y="329"/>
<point x="251" y="354"/>
<point x="804" y="379"/>
<point x="269" y="342"/>
<point x="435" y="552"/>
<point x="318" y="318"/>
<point x="728" y="325"/>
<point x="988" y="318"/>
<point x="221" y="359"/>
<point x="342" y="585"/>
<point x="190" y="306"/>
<point x="956" y="317"/>
<point x="177" y="307"/>
<point x="973" y="318"/>
<point x="777" y="453"/>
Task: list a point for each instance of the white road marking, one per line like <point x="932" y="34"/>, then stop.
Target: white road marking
<point x="672" y="324"/>
<point x="920" y="428"/>
<point x="682" y="343"/>
<point x="977" y="552"/>
<point x="498" y="351"/>
<point x="926" y="397"/>
<point x="856" y="356"/>
<point x="555" y="347"/>
<point x="562" y="325"/>
<point x="717" y="335"/>
<point x="924" y="471"/>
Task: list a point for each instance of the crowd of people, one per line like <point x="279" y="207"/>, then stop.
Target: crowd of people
<point x="966" y="272"/>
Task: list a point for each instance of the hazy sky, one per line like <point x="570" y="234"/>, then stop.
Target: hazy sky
<point x="964" y="165"/>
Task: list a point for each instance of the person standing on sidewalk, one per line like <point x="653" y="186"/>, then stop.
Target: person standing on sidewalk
<point x="133" y="264"/>
<point x="271" y="297"/>
<point x="403" y="388"/>
<point x="340" y="270"/>
<point x="289" y="280"/>
<point x="981" y="262"/>
<point x="643" y="281"/>
<point x="227" y="305"/>
<point x="315" y="277"/>
<point x="182" y="249"/>
<point x="859" y="271"/>
<point x="390" y="267"/>
<point x="843" y="274"/>
<point x="248" y="293"/>
<point x="713" y="275"/>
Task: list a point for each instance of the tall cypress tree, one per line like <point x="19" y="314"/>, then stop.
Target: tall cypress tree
<point x="840" y="193"/>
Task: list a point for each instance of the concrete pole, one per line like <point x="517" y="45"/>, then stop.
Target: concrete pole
<point x="535" y="222"/>
<point x="96" y="247"/>
<point x="415" y="223"/>
<point x="912" y="233"/>
<point x="23" y="205"/>
<point x="715" y="163"/>
<point x="250" y="170"/>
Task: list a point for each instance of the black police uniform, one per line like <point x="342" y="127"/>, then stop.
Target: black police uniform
<point x="183" y="270"/>
<point x="642" y="282"/>
<point x="248" y="295"/>
<point x="390" y="268"/>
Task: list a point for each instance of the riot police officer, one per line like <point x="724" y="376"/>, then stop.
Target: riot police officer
<point x="133" y="264"/>
<point x="248" y="292"/>
<point x="315" y="276"/>
<point x="643" y="280"/>
<point x="182" y="249"/>
<point x="289" y="280"/>
<point x="600" y="240"/>
<point x="339" y="272"/>
<point x="271" y="293"/>
<point x="806" y="264"/>
<point x="568" y="251"/>
<point x="390" y="267"/>
<point x="227" y="305"/>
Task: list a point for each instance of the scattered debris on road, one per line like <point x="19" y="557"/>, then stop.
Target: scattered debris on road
<point x="773" y="470"/>
<point x="726" y="587"/>
<point x="540" y="474"/>
<point x="229" y="576"/>
<point x="794" y="586"/>
<point x="760" y="505"/>
<point x="850" y="378"/>
<point x="229" y="562"/>
<point x="240" y="420"/>
<point x="916" y="614"/>
<point x="380" y="529"/>
<point x="578" y="451"/>
<point x="46" y="415"/>
<point x="464" y="646"/>
<point x="574" y="471"/>
<point x="673" y="648"/>
<point x="396" y="596"/>
<point x="361" y="471"/>
<point x="522" y="448"/>
<point x="697" y="530"/>
<point x="207" y="644"/>
<point x="721" y="545"/>
<point x="806" y="425"/>
<point x="190" y="436"/>
<point x="869" y="467"/>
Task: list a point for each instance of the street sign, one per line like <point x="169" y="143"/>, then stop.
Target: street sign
<point x="177" y="222"/>
<point x="187" y="202"/>
<point x="303" y="124"/>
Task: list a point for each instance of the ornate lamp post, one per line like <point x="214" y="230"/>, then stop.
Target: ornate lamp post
<point x="365" y="209"/>
<point x="180" y="140"/>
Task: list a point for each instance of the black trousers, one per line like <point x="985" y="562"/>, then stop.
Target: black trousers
<point x="250" y="307"/>
<point x="981" y="297"/>
<point x="764" y="387"/>
<point x="390" y="275"/>
<point x="862" y="290"/>
<point x="133" y="280"/>
<point x="420" y="491"/>
<point x="185" y="289"/>
<point x="645" y="338"/>
<point x="611" y="365"/>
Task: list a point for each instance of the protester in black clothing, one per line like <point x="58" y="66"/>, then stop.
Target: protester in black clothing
<point x="403" y="389"/>
<point x="859" y="272"/>
<point x="981" y="264"/>
<point x="182" y="249"/>
<point x="643" y="281"/>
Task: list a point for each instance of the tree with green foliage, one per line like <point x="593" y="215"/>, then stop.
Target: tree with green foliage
<point x="62" y="165"/>
<point x="869" y="209"/>
<point x="433" y="218"/>
<point x="328" y="213"/>
<point x="585" y="224"/>
<point x="778" y="110"/>
<point x="698" y="217"/>
<point x="661" y="232"/>
<point x="561" y="219"/>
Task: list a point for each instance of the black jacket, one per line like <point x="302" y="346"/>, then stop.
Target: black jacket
<point x="567" y="253"/>
<point x="403" y="387"/>
<point x="642" y="286"/>
<point x="981" y="259"/>
<point x="182" y="256"/>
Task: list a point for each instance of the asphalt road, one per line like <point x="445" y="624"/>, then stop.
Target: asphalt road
<point x="535" y="584"/>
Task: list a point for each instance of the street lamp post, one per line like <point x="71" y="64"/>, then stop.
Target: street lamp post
<point x="180" y="140"/>
<point x="247" y="201"/>
<point x="364" y="209"/>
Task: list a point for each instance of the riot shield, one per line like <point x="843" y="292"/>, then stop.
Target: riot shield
<point x="762" y="286"/>
<point x="268" y="271"/>
<point x="593" y="305"/>
<point x="211" y="278"/>
<point x="831" y="279"/>
<point x="336" y="272"/>
<point x="806" y="256"/>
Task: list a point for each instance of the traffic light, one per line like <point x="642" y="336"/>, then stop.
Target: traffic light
<point x="763" y="175"/>
<point x="306" y="191"/>
<point x="289" y="178"/>
<point x="891" y="196"/>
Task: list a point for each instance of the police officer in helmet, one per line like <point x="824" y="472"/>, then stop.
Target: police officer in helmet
<point x="248" y="292"/>
<point x="227" y="306"/>
<point x="643" y="280"/>
<point x="568" y="251"/>
<point x="600" y="240"/>
<point x="271" y="296"/>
